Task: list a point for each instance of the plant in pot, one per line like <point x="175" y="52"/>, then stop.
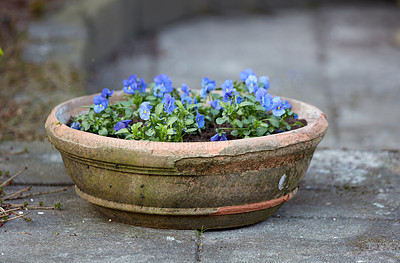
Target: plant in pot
<point x="155" y="156"/>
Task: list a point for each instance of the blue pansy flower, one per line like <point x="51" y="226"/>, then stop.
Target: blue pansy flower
<point x="169" y="103"/>
<point x="75" y="125"/>
<point x="142" y="85"/>
<point x="163" y="84"/>
<point x="227" y="89"/>
<point x="264" y="98"/>
<point x="106" y="93"/>
<point x="130" y="85"/>
<point x="286" y="104"/>
<point x="215" y="104"/>
<point x="207" y="86"/>
<point x="121" y="125"/>
<point x="144" y="110"/>
<point x="245" y="74"/>
<point x="100" y="103"/>
<point x="218" y="137"/>
<point x="264" y="80"/>
<point x="251" y="83"/>
<point x="295" y="116"/>
<point x="239" y="99"/>
<point x="200" y="120"/>
<point x="185" y="89"/>
<point x="279" y="107"/>
<point x="159" y="91"/>
<point x="186" y="99"/>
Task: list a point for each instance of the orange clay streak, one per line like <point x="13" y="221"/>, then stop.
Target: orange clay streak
<point x="228" y="210"/>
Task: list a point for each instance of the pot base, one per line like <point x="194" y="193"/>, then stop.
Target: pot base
<point x="188" y="218"/>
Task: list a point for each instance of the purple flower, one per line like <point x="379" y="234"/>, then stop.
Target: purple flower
<point x="144" y="110"/>
<point x="264" y="98"/>
<point x="200" y="120"/>
<point x="169" y="103"/>
<point x="163" y="84"/>
<point x="218" y="137"/>
<point x="185" y="89"/>
<point x="75" y="125"/>
<point x="100" y="103"/>
<point x="251" y="83"/>
<point x="130" y="85"/>
<point x="245" y="74"/>
<point x="106" y="93"/>
<point x="207" y="86"/>
<point x="265" y="81"/>
<point x="215" y="104"/>
<point x="279" y="107"/>
<point x="121" y="125"/>
<point x="227" y="89"/>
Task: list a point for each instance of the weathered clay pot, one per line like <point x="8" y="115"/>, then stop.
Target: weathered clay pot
<point x="186" y="185"/>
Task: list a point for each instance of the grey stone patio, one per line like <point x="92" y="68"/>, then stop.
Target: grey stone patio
<point x="342" y="59"/>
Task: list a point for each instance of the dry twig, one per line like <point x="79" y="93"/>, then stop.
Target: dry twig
<point x="8" y="181"/>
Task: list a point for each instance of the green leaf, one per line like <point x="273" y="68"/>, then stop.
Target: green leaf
<point x="191" y="106"/>
<point x="250" y="97"/>
<point x="172" y="120"/>
<point x="191" y="130"/>
<point x="261" y="131"/>
<point x="159" y="108"/>
<point x="150" y="98"/>
<point x="298" y="123"/>
<point x="189" y="122"/>
<point x="150" y="132"/>
<point x="125" y="103"/>
<point x="246" y="103"/>
<point x="238" y="123"/>
<point x="85" y="125"/>
<point x="171" y="132"/>
<point x="234" y="133"/>
<point x="222" y="104"/>
<point x="240" y="112"/>
<point x="220" y="120"/>
<point x="136" y="126"/>
<point x="121" y="131"/>
<point x="179" y="103"/>
<point x="128" y="113"/>
<point x="274" y="121"/>
<point x="214" y="112"/>
<point x="1" y="52"/>
<point x="103" y="131"/>
<point x="259" y="108"/>
<point x="246" y="132"/>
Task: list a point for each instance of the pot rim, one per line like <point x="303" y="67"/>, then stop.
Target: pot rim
<point x="58" y="132"/>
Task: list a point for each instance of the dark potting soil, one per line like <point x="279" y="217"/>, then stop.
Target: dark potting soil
<point x="209" y="131"/>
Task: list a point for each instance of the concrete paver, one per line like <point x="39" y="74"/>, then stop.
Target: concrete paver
<point x="346" y="210"/>
<point x="340" y="59"/>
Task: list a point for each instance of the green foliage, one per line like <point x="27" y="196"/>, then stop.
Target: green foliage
<point x="241" y="115"/>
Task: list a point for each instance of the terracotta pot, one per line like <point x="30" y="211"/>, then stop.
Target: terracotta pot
<point x="186" y="185"/>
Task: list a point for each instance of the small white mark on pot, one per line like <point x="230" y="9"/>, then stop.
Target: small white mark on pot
<point x="281" y="183"/>
<point x="170" y="238"/>
<point x="378" y="205"/>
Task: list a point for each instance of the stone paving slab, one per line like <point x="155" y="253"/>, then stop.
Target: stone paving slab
<point x="347" y="210"/>
<point x="44" y="162"/>
<point x="78" y="233"/>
